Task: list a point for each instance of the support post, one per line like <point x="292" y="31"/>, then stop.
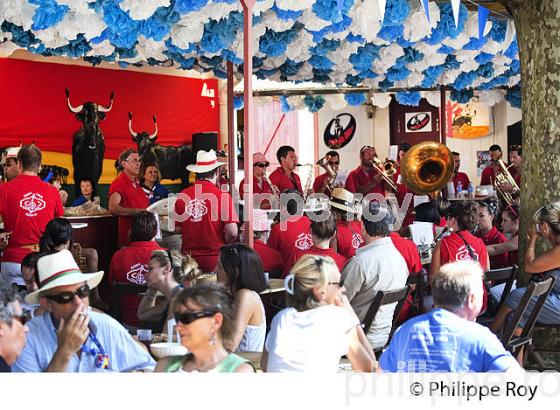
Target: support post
<point x="232" y="143"/>
<point x="442" y="117"/>
<point x="248" y="114"/>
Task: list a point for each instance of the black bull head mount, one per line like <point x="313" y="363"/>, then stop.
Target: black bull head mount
<point x="171" y="161"/>
<point x="88" y="145"/>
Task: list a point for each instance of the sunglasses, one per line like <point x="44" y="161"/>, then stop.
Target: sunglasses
<point x="187" y="318"/>
<point x="262" y="164"/>
<point x="67" y="297"/>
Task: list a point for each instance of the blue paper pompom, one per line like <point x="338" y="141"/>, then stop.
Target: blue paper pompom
<point x="325" y="47"/>
<point x="48" y="14"/>
<point x="512" y="51"/>
<point x="386" y="84"/>
<point x="364" y="57"/>
<point x="284" y="105"/>
<point x="461" y="96"/>
<point x="396" y="12"/>
<point x="122" y="31"/>
<point x="397" y="75"/>
<point x="485" y="70"/>
<point x="238" y="102"/>
<point x="19" y="36"/>
<point x="328" y="10"/>
<point x="483" y="58"/>
<point x="391" y="33"/>
<point x="464" y="80"/>
<point x="322" y="63"/>
<point x="431" y="75"/>
<point x="290" y="68"/>
<point x="286" y="14"/>
<point x="446" y="25"/>
<point x="314" y="103"/>
<point x="411" y="98"/>
<point x="355" y="98"/>
<point x="188" y="6"/>
<point x="513" y="96"/>
<point x="159" y="24"/>
<point x="274" y="43"/>
<point x="498" y="31"/>
<point x="445" y="50"/>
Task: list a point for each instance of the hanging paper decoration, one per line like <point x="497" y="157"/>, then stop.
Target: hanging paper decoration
<point x="425" y="4"/>
<point x="513" y="96"/>
<point x="238" y="103"/>
<point x="355" y="98"/>
<point x="409" y="98"/>
<point x="510" y="35"/>
<point x="455" y="5"/>
<point x="381" y="100"/>
<point x="483" y="13"/>
<point x="381" y="4"/>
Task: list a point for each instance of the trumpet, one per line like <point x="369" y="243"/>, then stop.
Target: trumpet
<point x="386" y="169"/>
<point x="324" y="163"/>
<point x="503" y="177"/>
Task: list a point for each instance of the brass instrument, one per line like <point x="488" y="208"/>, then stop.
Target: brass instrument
<point x="386" y="170"/>
<point x="503" y="177"/>
<point x="275" y="190"/>
<point x="324" y="163"/>
<point x="309" y="179"/>
<point x="427" y="167"/>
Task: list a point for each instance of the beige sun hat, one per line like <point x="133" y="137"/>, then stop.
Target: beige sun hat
<point x="343" y="199"/>
<point x="205" y="161"/>
<point x="60" y="269"/>
<point x="261" y="223"/>
<point x="11" y="152"/>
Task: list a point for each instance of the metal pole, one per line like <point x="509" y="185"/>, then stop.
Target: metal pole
<point x="232" y="145"/>
<point x="442" y="117"/>
<point x="248" y="114"/>
<point x="274" y="134"/>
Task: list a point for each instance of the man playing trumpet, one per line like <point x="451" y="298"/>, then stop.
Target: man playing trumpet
<point x="324" y="183"/>
<point x="365" y="179"/>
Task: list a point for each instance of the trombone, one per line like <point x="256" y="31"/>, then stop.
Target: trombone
<point x="324" y="163"/>
<point x="386" y="169"/>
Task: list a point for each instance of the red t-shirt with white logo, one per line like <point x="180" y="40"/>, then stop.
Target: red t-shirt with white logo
<point x="338" y="258"/>
<point x="409" y="252"/>
<point x="361" y="177"/>
<point x="27" y="205"/>
<point x="348" y="237"/>
<point x="203" y="220"/>
<point x="494" y="237"/>
<point x="453" y="249"/>
<point x="132" y="196"/>
<point x="284" y="181"/>
<point x="296" y="236"/>
<point x="129" y="265"/>
<point x="271" y="259"/>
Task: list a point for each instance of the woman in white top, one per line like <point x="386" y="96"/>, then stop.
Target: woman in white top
<point x="240" y="269"/>
<point x="319" y="327"/>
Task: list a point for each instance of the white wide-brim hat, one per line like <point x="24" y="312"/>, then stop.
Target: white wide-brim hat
<point x="206" y="161"/>
<point x="60" y="269"/>
<point x="11" y="152"/>
<point x="343" y="199"/>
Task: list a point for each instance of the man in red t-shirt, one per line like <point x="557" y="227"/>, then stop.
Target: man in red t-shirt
<point x="260" y="185"/>
<point x="27" y="205"/>
<point x="322" y="182"/>
<point x="322" y="232"/>
<point x="348" y="227"/>
<point x="284" y="177"/>
<point x="293" y="233"/>
<point x="272" y="261"/>
<point x="10" y="163"/>
<point x="130" y="264"/>
<point x="489" y="173"/>
<point x="365" y="179"/>
<point x="459" y="176"/>
<point x="126" y="196"/>
<point x="205" y="215"/>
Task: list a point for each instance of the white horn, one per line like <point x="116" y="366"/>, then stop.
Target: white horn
<point x="156" y="129"/>
<point x="107" y="109"/>
<point x="130" y="128"/>
<point x="72" y="109"/>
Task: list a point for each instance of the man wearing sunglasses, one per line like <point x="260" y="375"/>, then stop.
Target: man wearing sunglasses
<point x="260" y="184"/>
<point x="68" y="337"/>
<point x="322" y="182"/>
<point x="12" y="327"/>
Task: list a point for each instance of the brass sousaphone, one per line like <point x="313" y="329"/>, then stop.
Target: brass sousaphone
<point x="427" y="167"/>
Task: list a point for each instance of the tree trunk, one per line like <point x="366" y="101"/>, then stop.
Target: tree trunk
<point x="538" y="35"/>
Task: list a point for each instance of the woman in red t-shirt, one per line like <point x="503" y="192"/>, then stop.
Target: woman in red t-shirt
<point x="510" y="227"/>
<point x="490" y="235"/>
<point x="461" y="244"/>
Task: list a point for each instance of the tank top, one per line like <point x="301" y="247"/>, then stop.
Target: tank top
<point x="228" y="365"/>
<point x="254" y="335"/>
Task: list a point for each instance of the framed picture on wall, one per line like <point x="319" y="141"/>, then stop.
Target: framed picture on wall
<point x="482" y="161"/>
<point x="418" y="122"/>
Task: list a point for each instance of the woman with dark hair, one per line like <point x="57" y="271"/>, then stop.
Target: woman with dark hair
<point x="427" y="212"/>
<point x="487" y="231"/>
<point x="150" y="178"/>
<point x="510" y="227"/>
<point x="58" y="237"/>
<point x="240" y="269"/>
<point x="204" y="316"/>
<point x="87" y="193"/>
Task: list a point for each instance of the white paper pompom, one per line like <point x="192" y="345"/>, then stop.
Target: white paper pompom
<point x="304" y="73"/>
<point x="142" y="9"/>
<point x="387" y="57"/>
<point x="492" y="47"/>
<point x="296" y="101"/>
<point x="148" y="48"/>
<point x="261" y="6"/>
<point x="469" y="65"/>
<point x="456" y="43"/>
<point x="271" y="21"/>
<point x="312" y="22"/>
<point x="449" y="76"/>
<point x="381" y="100"/>
<point x="105" y="48"/>
<point x="273" y="62"/>
<point x="433" y="97"/>
<point x="18" y="12"/>
<point x="88" y="23"/>
<point x="490" y="97"/>
<point x="416" y="26"/>
<point x="298" y="50"/>
<point x="294" y="5"/>
<point x="78" y="6"/>
<point x="414" y="80"/>
<point x="336" y="101"/>
<point x="51" y="37"/>
<point x="515" y="80"/>
<point x="365" y="15"/>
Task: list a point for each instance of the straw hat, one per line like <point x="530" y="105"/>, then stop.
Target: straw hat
<point x="343" y="199"/>
<point x="206" y="161"/>
<point x="261" y="223"/>
<point x="60" y="269"/>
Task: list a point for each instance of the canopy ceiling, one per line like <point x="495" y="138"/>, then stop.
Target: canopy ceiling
<point x="326" y="41"/>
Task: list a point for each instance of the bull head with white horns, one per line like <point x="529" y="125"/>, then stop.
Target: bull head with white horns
<point x="145" y="142"/>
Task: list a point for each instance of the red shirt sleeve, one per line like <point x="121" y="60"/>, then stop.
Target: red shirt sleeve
<point x="351" y="183"/>
<point x="274" y="237"/>
<point x="317" y="184"/>
<point x="59" y="209"/>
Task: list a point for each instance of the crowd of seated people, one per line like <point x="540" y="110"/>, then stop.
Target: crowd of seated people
<point x="333" y="267"/>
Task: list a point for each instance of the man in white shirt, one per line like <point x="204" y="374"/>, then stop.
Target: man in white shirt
<point x="378" y="265"/>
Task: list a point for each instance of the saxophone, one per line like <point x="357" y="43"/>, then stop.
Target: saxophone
<point x="275" y="190"/>
<point x="309" y="180"/>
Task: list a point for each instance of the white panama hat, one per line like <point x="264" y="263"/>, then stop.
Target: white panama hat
<point x="60" y="269"/>
<point x="206" y="161"/>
